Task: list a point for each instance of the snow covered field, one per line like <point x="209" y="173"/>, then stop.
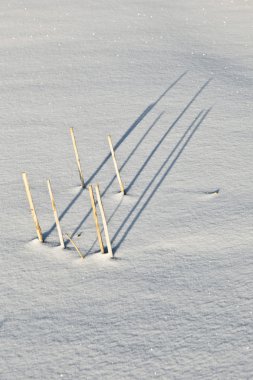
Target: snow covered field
<point x="171" y="81"/>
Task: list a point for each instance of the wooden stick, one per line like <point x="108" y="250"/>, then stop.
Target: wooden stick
<point x="107" y="238"/>
<point x="77" y="157"/>
<point x="122" y="189"/>
<point x="55" y="214"/>
<point x="75" y="246"/>
<point x="32" y="208"/>
<point x="101" y="245"/>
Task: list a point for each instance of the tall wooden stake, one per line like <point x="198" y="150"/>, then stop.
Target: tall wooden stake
<point x="77" y="157"/>
<point x="32" y="208"/>
<point x="107" y="238"/>
<point x="101" y="245"/>
<point x="55" y="214"/>
<point x="122" y="189"/>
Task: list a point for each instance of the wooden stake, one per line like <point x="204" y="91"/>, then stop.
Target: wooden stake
<point x="77" y="157"/>
<point x="101" y="245"/>
<point x="75" y="246"/>
<point x="122" y="189"/>
<point x="55" y="214"/>
<point x="107" y="238"/>
<point x="32" y="208"/>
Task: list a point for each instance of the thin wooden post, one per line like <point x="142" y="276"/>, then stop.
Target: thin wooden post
<point x="122" y="189"/>
<point x="93" y="205"/>
<point x="75" y="246"/>
<point x="77" y="157"/>
<point x="32" y="208"/>
<point x="107" y="238"/>
<point x="55" y="214"/>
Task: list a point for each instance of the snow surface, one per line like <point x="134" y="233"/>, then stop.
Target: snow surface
<point x="171" y="81"/>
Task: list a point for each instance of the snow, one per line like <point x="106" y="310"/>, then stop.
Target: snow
<point x="172" y="83"/>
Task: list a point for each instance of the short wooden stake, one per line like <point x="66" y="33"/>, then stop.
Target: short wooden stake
<point x="122" y="189"/>
<point x="101" y="245"/>
<point x="107" y="238"/>
<point x="75" y="246"/>
<point x="32" y="208"/>
<point x="55" y="214"/>
<point x="77" y="157"/>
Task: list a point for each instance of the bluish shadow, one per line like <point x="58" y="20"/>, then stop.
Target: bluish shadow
<point x="165" y="135"/>
<point x="134" y="125"/>
<point x="193" y="128"/>
<point x="134" y="150"/>
<point x="64" y="212"/>
<point x="110" y="183"/>
<point x="125" y="135"/>
<point x="152" y="152"/>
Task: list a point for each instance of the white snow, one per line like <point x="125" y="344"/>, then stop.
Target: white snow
<point x="176" y="303"/>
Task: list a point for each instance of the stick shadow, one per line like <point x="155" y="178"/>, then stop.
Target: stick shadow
<point x="120" y="141"/>
<point x="193" y="128"/>
<point x="113" y="178"/>
<point x="134" y="125"/>
<point x="153" y="150"/>
<point x="64" y="212"/>
<point x="165" y="135"/>
<point x="133" y="151"/>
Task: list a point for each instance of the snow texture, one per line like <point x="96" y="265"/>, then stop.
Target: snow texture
<point x="171" y="81"/>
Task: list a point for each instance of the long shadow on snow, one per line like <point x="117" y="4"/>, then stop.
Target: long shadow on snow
<point x="134" y="150"/>
<point x="153" y="150"/>
<point x="135" y="124"/>
<point x="113" y="178"/>
<point x="125" y="135"/>
<point x="200" y="118"/>
<point x="165" y="135"/>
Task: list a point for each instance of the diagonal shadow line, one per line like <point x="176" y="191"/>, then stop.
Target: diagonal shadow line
<point x="126" y="134"/>
<point x="108" y="221"/>
<point x="134" y="125"/>
<point x="113" y="178"/>
<point x="153" y="151"/>
<point x="200" y="118"/>
<point x="174" y="149"/>
<point x="118" y="206"/>
<point x="48" y="232"/>
<point x="134" y="150"/>
<point x="165" y="135"/>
